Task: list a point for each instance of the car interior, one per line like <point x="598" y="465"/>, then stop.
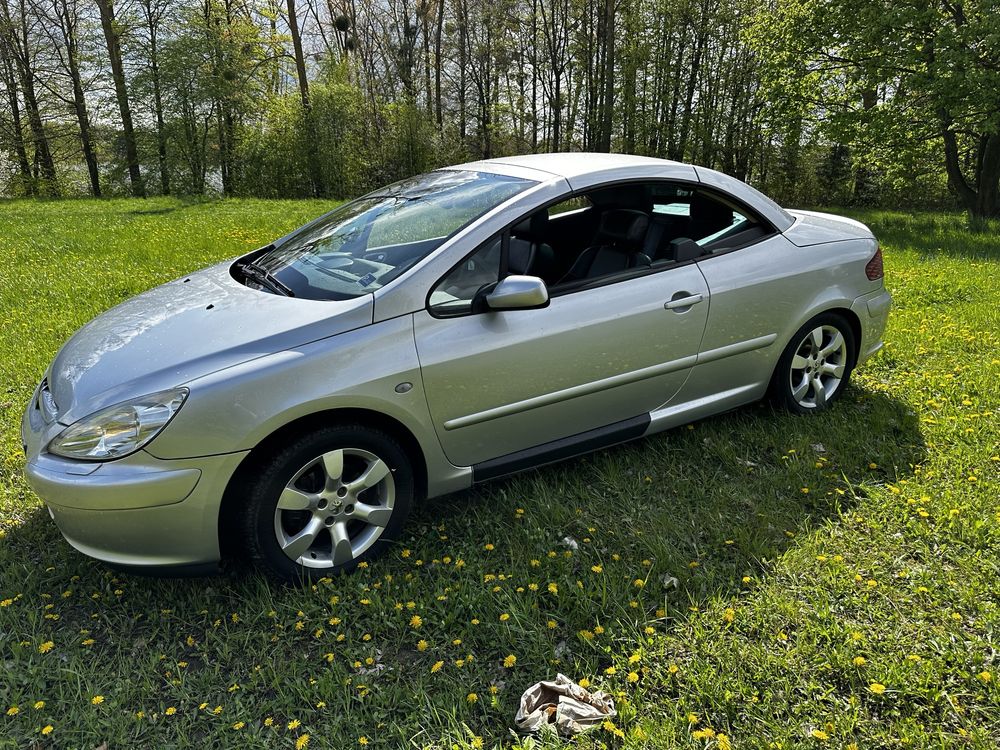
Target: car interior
<point x="626" y="227"/>
<point x="612" y="232"/>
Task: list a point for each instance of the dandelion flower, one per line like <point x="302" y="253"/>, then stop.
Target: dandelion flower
<point x="416" y="622"/>
<point x="44" y="648"/>
<point x="437" y="666"/>
<point x="362" y="740"/>
<point x="170" y="711"/>
<point x="509" y="661"/>
<point x="819" y="734"/>
<point x="239" y="725"/>
<point x="97" y="700"/>
<point x="859" y="661"/>
<point x="504" y="617"/>
<point x="984" y="676"/>
<point x="13" y="711"/>
<point x="294" y="724"/>
<point x="472" y="698"/>
<point x="302" y="741"/>
<point x="46" y="730"/>
<point x="633" y="677"/>
<point x="877" y="687"/>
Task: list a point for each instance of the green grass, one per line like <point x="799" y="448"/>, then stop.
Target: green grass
<point x="755" y="575"/>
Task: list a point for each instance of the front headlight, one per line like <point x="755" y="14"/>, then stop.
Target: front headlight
<point x="118" y="430"/>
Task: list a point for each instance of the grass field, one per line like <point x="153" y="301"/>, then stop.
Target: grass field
<point x="755" y="580"/>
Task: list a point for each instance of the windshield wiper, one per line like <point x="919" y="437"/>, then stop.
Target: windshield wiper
<point x="265" y="278"/>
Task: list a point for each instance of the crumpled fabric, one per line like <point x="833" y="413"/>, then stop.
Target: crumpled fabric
<point x="564" y="705"/>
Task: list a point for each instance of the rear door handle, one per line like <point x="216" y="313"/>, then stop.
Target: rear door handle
<point x="678" y="302"/>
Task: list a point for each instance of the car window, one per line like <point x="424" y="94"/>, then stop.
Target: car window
<point x="362" y="245"/>
<point x="572" y="205"/>
<point x="453" y="295"/>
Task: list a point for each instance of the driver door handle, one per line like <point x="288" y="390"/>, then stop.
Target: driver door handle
<point x="687" y="301"/>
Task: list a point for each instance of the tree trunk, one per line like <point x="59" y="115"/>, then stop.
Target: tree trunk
<point x="10" y="80"/>
<point x="121" y="92"/>
<point x="315" y="166"/>
<point x="69" y="21"/>
<point x="609" y="75"/>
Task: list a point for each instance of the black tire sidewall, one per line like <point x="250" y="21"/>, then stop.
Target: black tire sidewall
<point x="275" y="473"/>
<point x="781" y="389"/>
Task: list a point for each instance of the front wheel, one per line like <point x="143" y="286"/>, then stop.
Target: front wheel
<point x="816" y="365"/>
<point x="332" y="498"/>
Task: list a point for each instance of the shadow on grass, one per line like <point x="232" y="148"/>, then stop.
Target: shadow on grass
<point x="934" y="234"/>
<point x="689" y="514"/>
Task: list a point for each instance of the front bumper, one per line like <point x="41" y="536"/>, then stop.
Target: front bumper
<point x="139" y="511"/>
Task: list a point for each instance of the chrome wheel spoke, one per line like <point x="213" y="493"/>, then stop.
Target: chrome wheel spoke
<point x="817" y="338"/>
<point x="333" y="466"/>
<point x="799" y="362"/>
<point x="375" y="473"/>
<point x="294" y="499"/>
<point x="299" y="544"/>
<point x="819" y="391"/>
<point x="829" y="368"/>
<point x="372" y="514"/>
<point x="342" y="551"/>
<point x="799" y="391"/>
<point x="835" y="345"/>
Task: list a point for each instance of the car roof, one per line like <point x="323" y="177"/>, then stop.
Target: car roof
<point x="573" y="165"/>
<point x="566" y="165"/>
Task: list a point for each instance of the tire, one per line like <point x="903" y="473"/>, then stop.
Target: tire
<point x="816" y="366"/>
<point x="327" y="501"/>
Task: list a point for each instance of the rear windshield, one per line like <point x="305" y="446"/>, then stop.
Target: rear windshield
<point x="363" y="245"/>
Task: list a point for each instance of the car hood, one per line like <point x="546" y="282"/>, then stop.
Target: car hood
<point x="815" y="228"/>
<point x="183" y="330"/>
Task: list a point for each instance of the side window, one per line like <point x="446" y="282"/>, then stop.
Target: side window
<point x="576" y="204"/>
<point x="454" y="293"/>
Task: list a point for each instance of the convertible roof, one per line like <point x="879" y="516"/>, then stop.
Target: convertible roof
<point x="575" y="166"/>
<point x="566" y="165"/>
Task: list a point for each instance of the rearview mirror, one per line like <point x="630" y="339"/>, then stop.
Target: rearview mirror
<point x="518" y="293"/>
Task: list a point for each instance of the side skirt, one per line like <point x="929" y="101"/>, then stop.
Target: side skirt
<point x="557" y="450"/>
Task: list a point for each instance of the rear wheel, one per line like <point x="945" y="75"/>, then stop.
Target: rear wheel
<point x="332" y="498"/>
<point x="816" y="366"/>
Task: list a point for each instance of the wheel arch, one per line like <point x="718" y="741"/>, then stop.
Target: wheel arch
<point x="231" y="498"/>
<point x="847" y="314"/>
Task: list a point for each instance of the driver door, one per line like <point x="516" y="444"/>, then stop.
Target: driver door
<point x="498" y="382"/>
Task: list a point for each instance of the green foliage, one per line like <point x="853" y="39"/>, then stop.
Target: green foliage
<point x="703" y="566"/>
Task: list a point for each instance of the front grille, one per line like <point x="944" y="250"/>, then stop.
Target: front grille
<point x="47" y="403"/>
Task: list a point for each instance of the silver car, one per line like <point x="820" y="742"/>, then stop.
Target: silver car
<point x="449" y="329"/>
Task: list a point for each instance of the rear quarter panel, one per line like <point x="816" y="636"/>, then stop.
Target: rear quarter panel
<point x="773" y="287"/>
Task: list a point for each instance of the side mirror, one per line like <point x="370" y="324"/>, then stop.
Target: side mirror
<point x="518" y="293"/>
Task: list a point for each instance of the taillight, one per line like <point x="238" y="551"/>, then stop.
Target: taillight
<point x="874" y="270"/>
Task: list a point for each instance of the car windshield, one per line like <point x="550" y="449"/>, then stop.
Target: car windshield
<point x="363" y="245"/>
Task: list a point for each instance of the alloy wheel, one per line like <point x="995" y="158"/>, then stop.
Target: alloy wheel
<point x="334" y="508"/>
<point x="818" y="367"/>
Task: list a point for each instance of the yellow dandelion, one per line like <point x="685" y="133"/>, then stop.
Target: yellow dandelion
<point x="859" y="661"/>
<point x="39" y="705"/>
<point x="422" y="645"/>
<point x="170" y="711"/>
<point x="509" y="661"/>
<point x="553" y="588"/>
<point x="471" y="698"/>
<point x="477" y="742"/>
<point x="13" y="711"/>
<point x="985" y="676"/>
<point x="819" y="734"/>
<point x="633" y="677"/>
<point x="416" y="622"/>
<point x="97" y="700"/>
<point x="47" y="730"/>
<point x="302" y="741"/>
<point x="239" y="725"/>
<point x="362" y="740"/>
<point x="437" y="666"/>
<point x="294" y="724"/>
<point x="877" y="687"/>
<point x="729" y="615"/>
<point x="597" y="568"/>
<point x="723" y="741"/>
<point x="504" y="617"/>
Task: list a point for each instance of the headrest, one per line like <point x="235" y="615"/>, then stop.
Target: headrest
<point x="706" y="210"/>
<point x="519" y="256"/>
<point x="623" y="225"/>
<point x="533" y="227"/>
